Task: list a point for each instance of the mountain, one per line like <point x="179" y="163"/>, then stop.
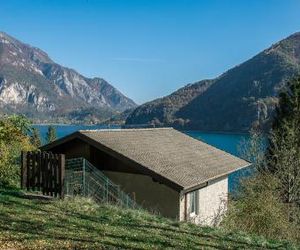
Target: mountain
<point x="32" y="84"/>
<point x="163" y="110"/>
<point x="118" y="119"/>
<point x="244" y="96"/>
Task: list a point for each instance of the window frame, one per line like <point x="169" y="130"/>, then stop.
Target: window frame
<point x="194" y="202"/>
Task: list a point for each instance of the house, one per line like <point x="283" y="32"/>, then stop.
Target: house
<point x="167" y="170"/>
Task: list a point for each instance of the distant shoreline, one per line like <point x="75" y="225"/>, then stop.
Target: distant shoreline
<point x="65" y="124"/>
<point x="187" y="130"/>
<point x="217" y="132"/>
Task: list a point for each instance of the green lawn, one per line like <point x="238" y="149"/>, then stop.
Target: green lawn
<point x="27" y="223"/>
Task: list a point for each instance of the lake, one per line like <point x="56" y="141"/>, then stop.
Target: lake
<point x="63" y="130"/>
<point x="227" y="142"/>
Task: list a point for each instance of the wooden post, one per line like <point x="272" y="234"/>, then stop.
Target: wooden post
<point x="43" y="163"/>
<point x="33" y="176"/>
<point x="45" y="167"/>
<point x="56" y="177"/>
<point x="46" y="181"/>
<point x="23" y="169"/>
<point x="51" y="173"/>
<point x="51" y="165"/>
<point x="28" y="176"/>
<point x="61" y="167"/>
<point x="39" y="171"/>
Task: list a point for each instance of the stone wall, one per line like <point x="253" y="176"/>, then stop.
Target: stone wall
<point x="212" y="203"/>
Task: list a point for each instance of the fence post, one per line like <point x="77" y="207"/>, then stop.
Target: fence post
<point x="23" y="169"/>
<point x="28" y="170"/>
<point x="43" y="170"/>
<point x="38" y="184"/>
<point x="107" y="187"/>
<point x="46" y="174"/>
<point x="83" y="176"/>
<point x="50" y="174"/>
<point x="33" y="169"/>
<point x="56" y="177"/>
<point x="61" y="164"/>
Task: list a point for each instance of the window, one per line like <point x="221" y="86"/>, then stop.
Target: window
<point x="194" y="201"/>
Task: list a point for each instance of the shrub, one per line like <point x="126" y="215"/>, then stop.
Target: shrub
<point x="13" y="139"/>
<point x="258" y="209"/>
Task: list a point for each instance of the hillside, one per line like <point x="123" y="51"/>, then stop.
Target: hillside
<point x="245" y="95"/>
<point x="28" y="223"/>
<point x="118" y="119"/>
<point x="32" y="84"/>
<point x="163" y="110"/>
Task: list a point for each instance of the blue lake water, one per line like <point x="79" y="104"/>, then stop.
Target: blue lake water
<point x="227" y="142"/>
<point x="63" y="130"/>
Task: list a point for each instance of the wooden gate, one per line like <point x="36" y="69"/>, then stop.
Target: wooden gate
<point x="43" y="171"/>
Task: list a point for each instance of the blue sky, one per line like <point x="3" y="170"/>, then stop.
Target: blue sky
<point x="149" y="48"/>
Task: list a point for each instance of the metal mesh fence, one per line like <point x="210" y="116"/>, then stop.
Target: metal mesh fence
<point x="82" y="178"/>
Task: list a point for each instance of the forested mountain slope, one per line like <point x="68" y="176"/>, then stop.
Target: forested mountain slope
<point x="244" y="96"/>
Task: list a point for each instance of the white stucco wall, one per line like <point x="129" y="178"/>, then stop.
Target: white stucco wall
<point x="212" y="203"/>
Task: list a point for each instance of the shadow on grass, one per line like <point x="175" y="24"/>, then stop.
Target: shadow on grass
<point x="29" y="196"/>
<point x="171" y="232"/>
<point x="82" y="228"/>
<point x="32" y="230"/>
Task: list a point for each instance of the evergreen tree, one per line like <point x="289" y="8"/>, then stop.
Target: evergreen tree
<point x="283" y="153"/>
<point x="51" y="134"/>
<point x="36" y="138"/>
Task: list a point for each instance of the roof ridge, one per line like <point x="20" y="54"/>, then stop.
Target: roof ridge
<point x="123" y="129"/>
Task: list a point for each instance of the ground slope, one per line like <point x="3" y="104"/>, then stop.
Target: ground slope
<point x="27" y="223"/>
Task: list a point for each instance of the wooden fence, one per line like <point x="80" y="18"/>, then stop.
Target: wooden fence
<point x="43" y="171"/>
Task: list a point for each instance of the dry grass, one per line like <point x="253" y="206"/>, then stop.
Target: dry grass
<point x="79" y="223"/>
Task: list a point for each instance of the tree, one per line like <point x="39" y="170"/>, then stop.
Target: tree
<point x="20" y="122"/>
<point x="35" y="138"/>
<point x="268" y="202"/>
<point x="257" y="206"/>
<point x="258" y="209"/>
<point x="51" y="134"/>
<point x="283" y="153"/>
<point x="13" y="139"/>
<point x="253" y="149"/>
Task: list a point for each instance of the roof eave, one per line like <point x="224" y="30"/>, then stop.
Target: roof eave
<point x="60" y="141"/>
<point x="205" y="183"/>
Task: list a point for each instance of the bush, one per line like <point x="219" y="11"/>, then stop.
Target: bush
<point x="258" y="209"/>
<point x="13" y="139"/>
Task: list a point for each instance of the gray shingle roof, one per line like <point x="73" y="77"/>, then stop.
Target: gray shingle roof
<point x="169" y="153"/>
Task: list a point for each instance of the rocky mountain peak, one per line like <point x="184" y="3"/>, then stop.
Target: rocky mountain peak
<point x="31" y="83"/>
